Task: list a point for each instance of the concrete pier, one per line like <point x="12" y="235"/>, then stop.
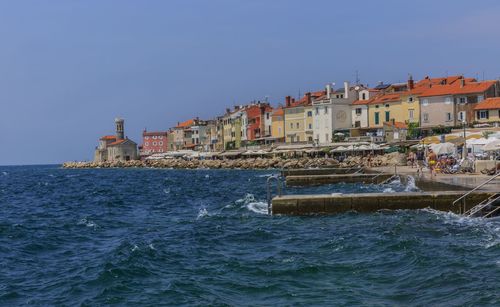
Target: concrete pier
<point x="372" y="202"/>
<point x="306" y="180"/>
<point x="320" y="171"/>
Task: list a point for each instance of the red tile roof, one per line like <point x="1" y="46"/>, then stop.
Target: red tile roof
<point x="117" y="142"/>
<point x="108" y="138"/>
<point x="489" y="104"/>
<point x="470" y="87"/>
<point x="399" y="125"/>
<point x="187" y="123"/>
<point x="303" y="101"/>
<point x="278" y="112"/>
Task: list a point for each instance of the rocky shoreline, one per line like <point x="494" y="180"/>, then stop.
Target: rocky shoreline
<point x="250" y="163"/>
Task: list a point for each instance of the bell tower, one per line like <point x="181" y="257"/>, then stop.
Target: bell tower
<point x="119" y="122"/>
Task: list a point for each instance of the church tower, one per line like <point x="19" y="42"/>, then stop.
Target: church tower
<point x="120" y="135"/>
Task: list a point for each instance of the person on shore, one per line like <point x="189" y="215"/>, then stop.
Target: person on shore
<point x="411" y="159"/>
<point x="420" y="157"/>
<point x="432" y="160"/>
<point x="369" y="160"/>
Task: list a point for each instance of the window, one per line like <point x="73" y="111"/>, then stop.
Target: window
<point x="160" y="143"/>
<point x="310" y="126"/>
<point x="146" y="137"/>
<point x="461" y="116"/>
<point x="411" y="113"/>
<point x="376" y="107"/>
<point x="410" y="99"/>
<point x="326" y="110"/>
<point x="480" y="98"/>
<point x="154" y="137"/>
<point x="267" y="115"/>
<point x="160" y="137"/>
<point x="386" y="105"/>
<point x="154" y="143"/>
<point x="387" y="116"/>
<point x="426" y="117"/>
<point x="483" y="114"/>
<point x="279" y="130"/>
<point x="363" y="96"/>
<point x="377" y="119"/>
<point x="358" y="111"/>
<point x="298" y="138"/>
<point x="291" y="125"/>
<point x="310" y="139"/>
<point x="425" y="102"/>
<point x="463" y="100"/>
<point x="317" y="111"/>
<point x="147" y="144"/>
<point x="297" y="125"/>
<point x="447" y="100"/>
<point x="309" y="113"/>
<point x="448" y="116"/>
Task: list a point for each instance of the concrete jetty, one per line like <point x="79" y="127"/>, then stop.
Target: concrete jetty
<point x="305" y="180"/>
<point x="372" y="202"/>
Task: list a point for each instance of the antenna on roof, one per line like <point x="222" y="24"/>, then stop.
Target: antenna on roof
<point x="483" y="75"/>
<point x="357" y="77"/>
<point x="299" y="94"/>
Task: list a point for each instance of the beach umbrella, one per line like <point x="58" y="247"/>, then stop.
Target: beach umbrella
<point x="492" y="146"/>
<point x="443" y="148"/>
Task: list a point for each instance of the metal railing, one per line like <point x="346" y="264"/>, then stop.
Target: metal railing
<point x="269" y="195"/>
<point x="462" y="198"/>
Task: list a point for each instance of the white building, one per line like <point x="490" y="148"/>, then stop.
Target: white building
<point x="332" y="112"/>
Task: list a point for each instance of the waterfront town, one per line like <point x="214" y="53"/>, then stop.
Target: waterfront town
<point x="354" y="123"/>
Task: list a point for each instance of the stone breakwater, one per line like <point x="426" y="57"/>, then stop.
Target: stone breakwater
<point x="257" y="163"/>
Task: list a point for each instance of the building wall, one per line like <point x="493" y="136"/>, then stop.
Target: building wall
<point x="395" y="110"/>
<point x="362" y="117"/>
<point x="268" y="123"/>
<point x="154" y="142"/>
<point x="122" y="152"/>
<point x="309" y="124"/>
<point x="278" y="127"/>
<point x="409" y="103"/>
<point x="322" y="122"/>
<point x="434" y="111"/>
<point x="294" y="125"/>
<point x="493" y="116"/>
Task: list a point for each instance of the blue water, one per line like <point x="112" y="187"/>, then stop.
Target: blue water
<point x="201" y="237"/>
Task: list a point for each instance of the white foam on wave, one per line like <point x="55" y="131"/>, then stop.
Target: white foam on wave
<point x="88" y="223"/>
<point x="166" y="191"/>
<point x="5" y="173"/>
<point x="207" y="176"/>
<point x="250" y="203"/>
<point x="265" y="175"/>
<point x="202" y="213"/>
<point x="410" y="185"/>
<point x="135" y="247"/>
<point x="388" y="190"/>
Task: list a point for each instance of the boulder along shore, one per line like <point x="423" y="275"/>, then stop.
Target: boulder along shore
<point x="248" y="163"/>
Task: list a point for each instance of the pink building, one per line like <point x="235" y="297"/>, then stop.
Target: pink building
<point x="154" y="142"/>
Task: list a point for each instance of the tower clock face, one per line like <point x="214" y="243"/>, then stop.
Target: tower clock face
<point x="341" y="116"/>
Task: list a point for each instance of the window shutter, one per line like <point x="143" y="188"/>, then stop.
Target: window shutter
<point x="487" y="114"/>
<point x="478" y="115"/>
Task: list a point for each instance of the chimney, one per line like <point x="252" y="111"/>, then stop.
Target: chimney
<point x="227" y="111"/>
<point x="346" y="89"/>
<point x="328" y="90"/>
<point x="462" y="82"/>
<point x="411" y="85"/>
<point x="288" y="100"/>
<point x="236" y="108"/>
<point x="308" y="98"/>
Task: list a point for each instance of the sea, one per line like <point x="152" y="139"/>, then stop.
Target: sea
<point x="164" y="237"/>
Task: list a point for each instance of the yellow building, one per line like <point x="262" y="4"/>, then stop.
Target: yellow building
<point x="232" y="127"/>
<point x="278" y="125"/>
<point x="488" y="111"/>
<point x="383" y="108"/>
<point x="308" y="127"/>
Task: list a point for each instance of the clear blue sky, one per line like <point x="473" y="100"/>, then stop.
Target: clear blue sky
<point x="68" y="68"/>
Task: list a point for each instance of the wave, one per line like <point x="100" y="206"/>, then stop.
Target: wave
<point x="5" y="173"/>
<point x="202" y="213"/>
<point x="250" y="203"/>
<point x="265" y="175"/>
<point x="88" y="223"/>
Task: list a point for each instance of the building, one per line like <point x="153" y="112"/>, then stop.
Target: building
<point x="296" y="118"/>
<point x="154" y="142"/>
<point x="258" y="121"/>
<point x="116" y="147"/>
<point x="454" y="100"/>
<point x="395" y="131"/>
<point x="233" y="126"/>
<point x="488" y="111"/>
<point x="332" y="112"/>
<point x="278" y="125"/>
